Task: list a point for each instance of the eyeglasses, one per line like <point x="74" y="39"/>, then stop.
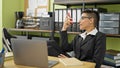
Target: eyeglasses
<point x="83" y="17"/>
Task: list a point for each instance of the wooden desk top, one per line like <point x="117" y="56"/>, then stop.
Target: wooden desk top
<point x="10" y="64"/>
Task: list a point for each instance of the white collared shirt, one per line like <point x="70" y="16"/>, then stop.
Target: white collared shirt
<point x="93" y="32"/>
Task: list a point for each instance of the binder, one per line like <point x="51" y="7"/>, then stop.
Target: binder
<point x="79" y="14"/>
<point x="64" y="14"/>
<point x="78" y="18"/>
<point x="60" y="25"/>
<point x="56" y="15"/>
<point x="60" y="15"/>
<point x="56" y="19"/>
<point x="74" y="15"/>
<point x="74" y="27"/>
<point x="70" y="12"/>
<point x="78" y="28"/>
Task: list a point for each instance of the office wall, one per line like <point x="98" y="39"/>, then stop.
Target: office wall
<point x="56" y="6"/>
<point x="0" y="24"/>
<point x="7" y="13"/>
<point x="9" y="8"/>
<point x="113" y="43"/>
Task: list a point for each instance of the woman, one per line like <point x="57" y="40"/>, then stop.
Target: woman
<point x="88" y="46"/>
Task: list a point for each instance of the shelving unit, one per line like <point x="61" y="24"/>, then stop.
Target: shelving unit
<point x="83" y="3"/>
<point x="91" y="2"/>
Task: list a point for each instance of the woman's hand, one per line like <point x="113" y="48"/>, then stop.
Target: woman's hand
<point x="68" y="22"/>
<point x="62" y="56"/>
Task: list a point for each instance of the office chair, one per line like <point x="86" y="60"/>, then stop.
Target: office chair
<point x="54" y="49"/>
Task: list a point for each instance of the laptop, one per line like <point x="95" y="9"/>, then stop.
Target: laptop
<point x="31" y="53"/>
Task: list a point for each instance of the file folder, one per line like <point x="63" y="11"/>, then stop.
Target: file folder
<point x="60" y="15"/>
<point x="74" y="15"/>
<point x="79" y="14"/>
<point x="74" y="27"/>
<point x="56" y="15"/>
<point x="69" y="11"/>
<point x="64" y="14"/>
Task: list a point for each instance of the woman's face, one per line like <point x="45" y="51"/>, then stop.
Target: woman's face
<point x="84" y="22"/>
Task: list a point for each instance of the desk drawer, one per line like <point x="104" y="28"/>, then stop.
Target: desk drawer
<point x="109" y="16"/>
<point x="109" y="30"/>
<point x="109" y="23"/>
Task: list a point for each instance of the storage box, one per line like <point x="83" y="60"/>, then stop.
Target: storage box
<point x="46" y="23"/>
<point x="109" y="30"/>
<point x="109" y="16"/>
<point x="109" y="23"/>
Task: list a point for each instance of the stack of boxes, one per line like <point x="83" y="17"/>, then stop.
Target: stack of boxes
<point x="109" y="23"/>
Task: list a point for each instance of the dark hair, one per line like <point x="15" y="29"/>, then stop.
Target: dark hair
<point x="93" y="14"/>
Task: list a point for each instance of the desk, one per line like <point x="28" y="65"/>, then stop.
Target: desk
<point x="10" y="64"/>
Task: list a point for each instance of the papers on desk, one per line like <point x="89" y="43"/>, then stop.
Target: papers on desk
<point x="106" y="66"/>
<point x="8" y="55"/>
<point x="70" y="61"/>
<point x="31" y="25"/>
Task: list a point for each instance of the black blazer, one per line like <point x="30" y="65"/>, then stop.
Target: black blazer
<point x="91" y="49"/>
